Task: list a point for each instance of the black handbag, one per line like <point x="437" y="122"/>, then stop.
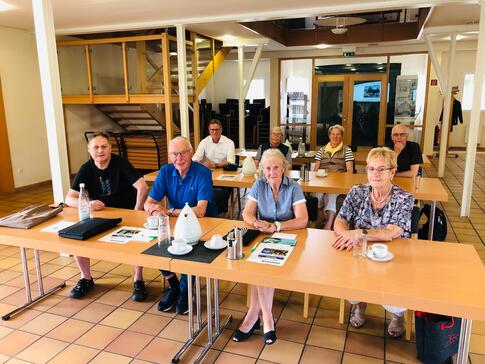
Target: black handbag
<point x="437" y="337"/>
<point x="87" y="228"/>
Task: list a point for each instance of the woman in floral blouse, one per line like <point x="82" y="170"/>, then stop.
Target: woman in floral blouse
<point x="380" y="210"/>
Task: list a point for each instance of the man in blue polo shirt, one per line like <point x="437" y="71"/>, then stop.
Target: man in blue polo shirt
<point x="182" y="181"/>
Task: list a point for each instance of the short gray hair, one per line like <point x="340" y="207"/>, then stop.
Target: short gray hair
<point x="96" y="134"/>
<point x="336" y="126"/>
<point x="383" y="153"/>
<point x="272" y="153"/>
<point x="182" y="138"/>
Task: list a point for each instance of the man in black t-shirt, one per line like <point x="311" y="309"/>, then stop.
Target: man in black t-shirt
<point x="409" y="155"/>
<point x="275" y="141"/>
<point x="112" y="182"/>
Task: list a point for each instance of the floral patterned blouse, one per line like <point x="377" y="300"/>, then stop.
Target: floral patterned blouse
<point x="358" y="213"/>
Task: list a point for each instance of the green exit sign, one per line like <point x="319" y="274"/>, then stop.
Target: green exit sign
<point x="349" y="54"/>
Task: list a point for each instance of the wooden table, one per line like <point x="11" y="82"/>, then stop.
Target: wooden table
<point x="428" y="276"/>
<point x="437" y="277"/>
<point x="361" y="158"/>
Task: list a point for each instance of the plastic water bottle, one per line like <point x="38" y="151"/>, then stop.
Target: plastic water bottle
<point x="84" y="206"/>
<point x="301" y="148"/>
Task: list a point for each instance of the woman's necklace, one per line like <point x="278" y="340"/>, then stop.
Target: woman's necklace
<point x="378" y="202"/>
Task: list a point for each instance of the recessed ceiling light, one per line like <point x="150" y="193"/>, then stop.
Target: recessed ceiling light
<point x="5" y="6"/>
<point x="173" y="53"/>
<point x="322" y="46"/>
<point x="227" y="38"/>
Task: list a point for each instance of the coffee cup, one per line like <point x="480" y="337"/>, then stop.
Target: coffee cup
<point x="379" y="250"/>
<point x="216" y="241"/>
<point x="321" y="173"/>
<point x="179" y="245"/>
<point x="152" y="222"/>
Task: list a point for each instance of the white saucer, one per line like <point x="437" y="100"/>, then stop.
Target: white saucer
<point x="387" y="258"/>
<point x="146" y="226"/>
<point x="183" y="252"/>
<point x="321" y="175"/>
<point x="208" y="245"/>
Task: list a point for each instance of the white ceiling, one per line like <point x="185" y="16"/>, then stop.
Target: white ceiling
<point x="213" y="17"/>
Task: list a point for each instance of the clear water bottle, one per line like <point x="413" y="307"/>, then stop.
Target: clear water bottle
<point x="84" y="207"/>
<point x="301" y="148"/>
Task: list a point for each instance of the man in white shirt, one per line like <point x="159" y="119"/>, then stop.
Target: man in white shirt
<point x="216" y="150"/>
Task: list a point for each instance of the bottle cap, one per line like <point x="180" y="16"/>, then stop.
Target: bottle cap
<point x="81" y="185"/>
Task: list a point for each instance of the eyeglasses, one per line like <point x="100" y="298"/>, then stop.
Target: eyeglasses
<point x="380" y="170"/>
<point x="399" y="135"/>
<point x="183" y="153"/>
<point x="214" y="130"/>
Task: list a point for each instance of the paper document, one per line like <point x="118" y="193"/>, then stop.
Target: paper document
<point x="57" y="226"/>
<point x="128" y="233"/>
<point x="268" y="253"/>
<point x="227" y="177"/>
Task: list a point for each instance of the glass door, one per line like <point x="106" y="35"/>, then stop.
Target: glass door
<point x="329" y="106"/>
<point x="367" y="109"/>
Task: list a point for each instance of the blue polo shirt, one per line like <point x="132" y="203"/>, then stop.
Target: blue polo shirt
<point x="194" y="187"/>
<point x="289" y="195"/>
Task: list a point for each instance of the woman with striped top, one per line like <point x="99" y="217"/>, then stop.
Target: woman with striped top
<point x="333" y="157"/>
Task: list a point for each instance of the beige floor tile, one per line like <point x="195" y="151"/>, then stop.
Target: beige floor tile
<point x="228" y="358"/>
<point x="251" y="347"/>
<point x="314" y="354"/>
<point x="350" y="358"/>
<point x="150" y="324"/>
<point x="373" y="326"/>
<point x="69" y="307"/>
<point x="129" y="343"/>
<point x="66" y="273"/>
<point x="169" y="348"/>
<point x="48" y="302"/>
<point x="114" y="297"/>
<point x="94" y="312"/>
<point x="70" y="330"/>
<point x="329" y="318"/>
<point x="99" y="336"/>
<point x="4" y="331"/>
<point x="282" y="351"/>
<point x="17" y="361"/>
<point x="7" y="290"/>
<point x="18" y="320"/>
<point x="74" y="354"/>
<point x="326" y="337"/>
<point x="121" y="318"/>
<point x="104" y="266"/>
<point x="401" y="351"/>
<point x="43" y="323"/>
<point x="477" y="344"/>
<point x="110" y="358"/>
<point x="235" y="302"/>
<point x="42" y="350"/>
<point x="292" y="331"/>
<point x="294" y="312"/>
<point x="15" y="342"/>
<point x="367" y="345"/>
<point x="140" y="306"/>
<point x="175" y="330"/>
<point x="8" y="275"/>
<point x="477" y="359"/>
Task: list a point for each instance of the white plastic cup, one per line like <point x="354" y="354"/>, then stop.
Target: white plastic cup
<point x="179" y="245"/>
<point x="152" y="221"/>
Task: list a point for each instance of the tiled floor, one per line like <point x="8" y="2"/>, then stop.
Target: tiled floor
<point x="107" y="327"/>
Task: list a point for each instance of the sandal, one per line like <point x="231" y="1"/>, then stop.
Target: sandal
<point x="357" y="318"/>
<point x="397" y="328"/>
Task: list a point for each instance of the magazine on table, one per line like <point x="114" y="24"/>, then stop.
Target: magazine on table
<point x="128" y="233"/>
<point x="281" y="238"/>
<point x="273" y="250"/>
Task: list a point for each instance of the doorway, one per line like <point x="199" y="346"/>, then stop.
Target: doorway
<point x="356" y="101"/>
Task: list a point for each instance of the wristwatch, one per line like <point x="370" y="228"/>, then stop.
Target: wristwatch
<point x="170" y="211"/>
<point x="364" y="231"/>
<point x="278" y="225"/>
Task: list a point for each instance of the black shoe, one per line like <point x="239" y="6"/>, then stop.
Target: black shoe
<point x="168" y="300"/>
<point x="182" y="307"/>
<point x="139" y="291"/>
<point x="83" y="286"/>
<point x="269" y="337"/>
<point x="241" y="336"/>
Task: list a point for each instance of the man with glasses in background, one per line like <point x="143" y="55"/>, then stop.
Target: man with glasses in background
<point x="275" y="141"/>
<point x="409" y="156"/>
<point x="216" y="150"/>
<point x="182" y="181"/>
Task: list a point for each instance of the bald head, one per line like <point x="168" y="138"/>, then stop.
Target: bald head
<point x="400" y="134"/>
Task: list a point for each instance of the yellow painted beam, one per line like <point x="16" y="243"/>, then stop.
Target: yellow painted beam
<point x="211" y="69"/>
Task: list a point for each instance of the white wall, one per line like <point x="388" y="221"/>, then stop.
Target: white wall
<point x="225" y="83"/>
<point x="79" y="119"/>
<point x="24" y="111"/>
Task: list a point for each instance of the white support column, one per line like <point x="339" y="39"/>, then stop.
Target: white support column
<point x="252" y="69"/>
<point x="182" y="77"/>
<point x="445" y="123"/>
<point x="471" y="148"/>
<point x="436" y="65"/>
<point x="242" y="96"/>
<point x="51" y="94"/>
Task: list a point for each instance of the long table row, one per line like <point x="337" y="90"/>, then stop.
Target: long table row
<point x="443" y="278"/>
